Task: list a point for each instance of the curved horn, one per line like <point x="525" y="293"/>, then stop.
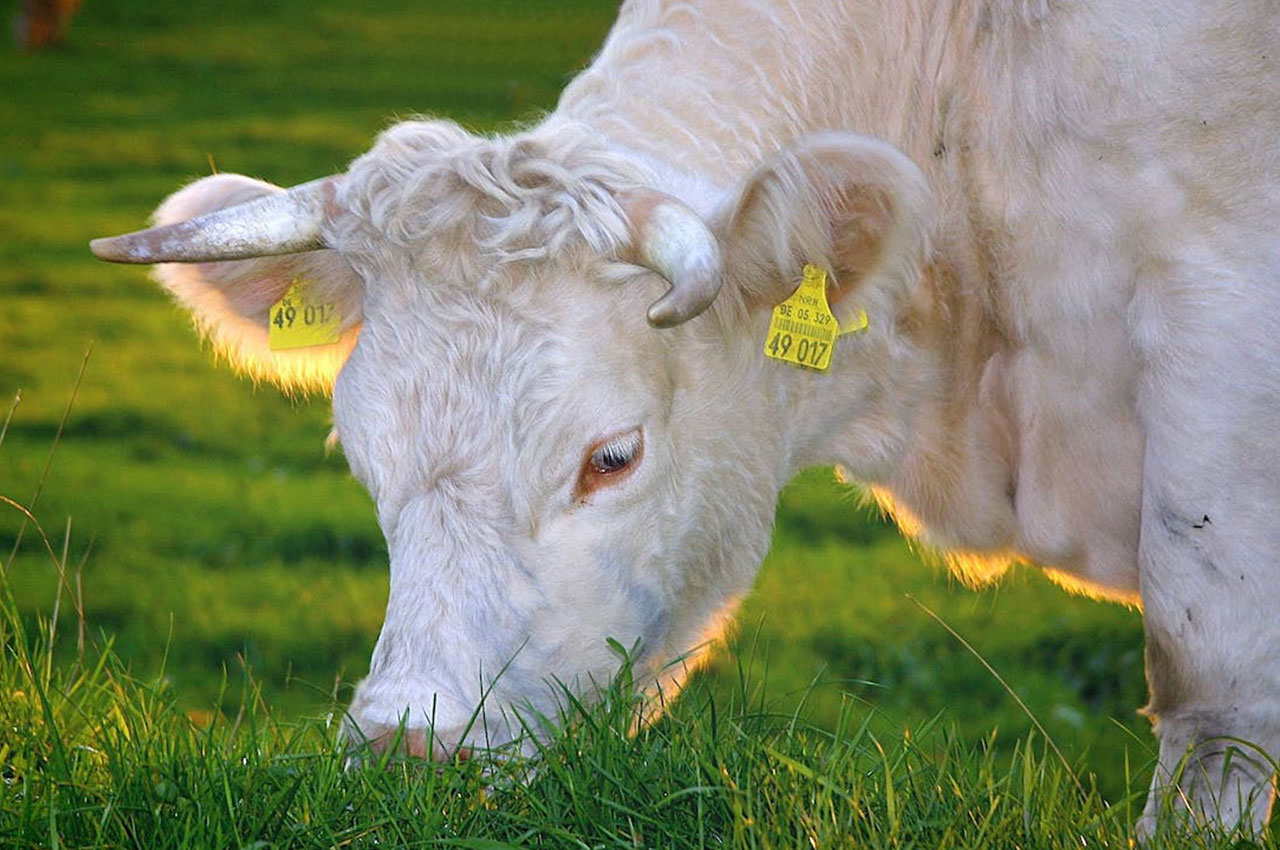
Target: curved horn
<point x="280" y="223"/>
<point x="674" y="241"/>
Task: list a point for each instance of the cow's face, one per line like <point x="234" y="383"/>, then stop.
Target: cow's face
<point x="559" y="472"/>
<point x="551" y="476"/>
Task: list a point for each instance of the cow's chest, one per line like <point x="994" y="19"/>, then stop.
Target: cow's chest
<point x="1075" y="462"/>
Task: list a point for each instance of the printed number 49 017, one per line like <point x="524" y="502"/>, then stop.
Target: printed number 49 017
<point x="312" y="314"/>
<point x="809" y="352"/>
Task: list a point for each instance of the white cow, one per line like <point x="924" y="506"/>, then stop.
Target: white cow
<point x="1059" y="218"/>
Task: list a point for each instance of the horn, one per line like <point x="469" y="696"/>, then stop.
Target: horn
<point x="280" y="223"/>
<point x="673" y="240"/>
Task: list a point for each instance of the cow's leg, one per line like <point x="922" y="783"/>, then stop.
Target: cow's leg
<point x="1209" y="561"/>
<point x="1213" y="641"/>
<point x="1217" y="729"/>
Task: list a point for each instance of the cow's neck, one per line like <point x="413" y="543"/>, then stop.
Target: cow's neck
<point x="951" y="477"/>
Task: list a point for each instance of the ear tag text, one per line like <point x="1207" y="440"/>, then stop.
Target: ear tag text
<point x="803" y="329"/>
<point x="300" y="319"/>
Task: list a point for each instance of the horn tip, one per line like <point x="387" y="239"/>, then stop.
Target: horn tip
<point x="663" y="315"/>
<point x="113" y="249"/>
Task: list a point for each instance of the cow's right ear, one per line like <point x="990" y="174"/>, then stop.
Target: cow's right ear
<point x="231" y="301"/>
<point x="853" y="205"/>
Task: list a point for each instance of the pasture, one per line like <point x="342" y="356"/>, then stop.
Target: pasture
<point x="232" y="575"/>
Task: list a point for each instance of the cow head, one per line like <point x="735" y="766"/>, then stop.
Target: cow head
<point x="548" y="376"/>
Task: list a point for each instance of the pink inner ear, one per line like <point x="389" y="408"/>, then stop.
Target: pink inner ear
<point x="861" y="219"/>
<point x="251" y="295"/>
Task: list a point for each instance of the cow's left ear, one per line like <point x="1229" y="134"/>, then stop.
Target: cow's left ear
<point x="231" y="301"/>
<point x="853" y="205"/>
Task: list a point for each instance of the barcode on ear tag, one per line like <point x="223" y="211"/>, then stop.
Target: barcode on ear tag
<point x="300" y="319"/>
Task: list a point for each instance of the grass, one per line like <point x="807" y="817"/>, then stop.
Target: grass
<point x="233" y="576"/>
<point x="92" y="756"/>
<point x="95" y="757"/>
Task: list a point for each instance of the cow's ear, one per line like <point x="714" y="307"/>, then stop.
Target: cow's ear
<point x="231" y="301"/>
<point x="853" y="205"/>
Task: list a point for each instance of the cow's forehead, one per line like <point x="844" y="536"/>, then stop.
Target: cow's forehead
<point x="504" y="386"/>
<point x="500" y="329"/>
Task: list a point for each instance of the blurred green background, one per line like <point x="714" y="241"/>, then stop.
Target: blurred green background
<point x="212" y="528"/>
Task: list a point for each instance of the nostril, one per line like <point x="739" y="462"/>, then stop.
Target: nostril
<point x="410" y="743"/>
<point x="404" y="742"/>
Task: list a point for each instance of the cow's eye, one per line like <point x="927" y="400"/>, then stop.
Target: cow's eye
<point x="608" y="461"/>
<point x="616" y="454"/>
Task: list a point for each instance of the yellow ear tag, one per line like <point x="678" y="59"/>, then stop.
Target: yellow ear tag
<point x="803" y="329"/>
<point x="300" y="319"/>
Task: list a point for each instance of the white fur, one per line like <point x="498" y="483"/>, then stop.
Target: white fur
<point x="1064" y="239"/>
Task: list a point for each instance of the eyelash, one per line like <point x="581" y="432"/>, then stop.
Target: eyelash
<point x="608" y="462"/>
<point x="615" y="455"/>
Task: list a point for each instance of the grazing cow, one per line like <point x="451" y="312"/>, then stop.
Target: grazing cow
<point x="547" y="350"/>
